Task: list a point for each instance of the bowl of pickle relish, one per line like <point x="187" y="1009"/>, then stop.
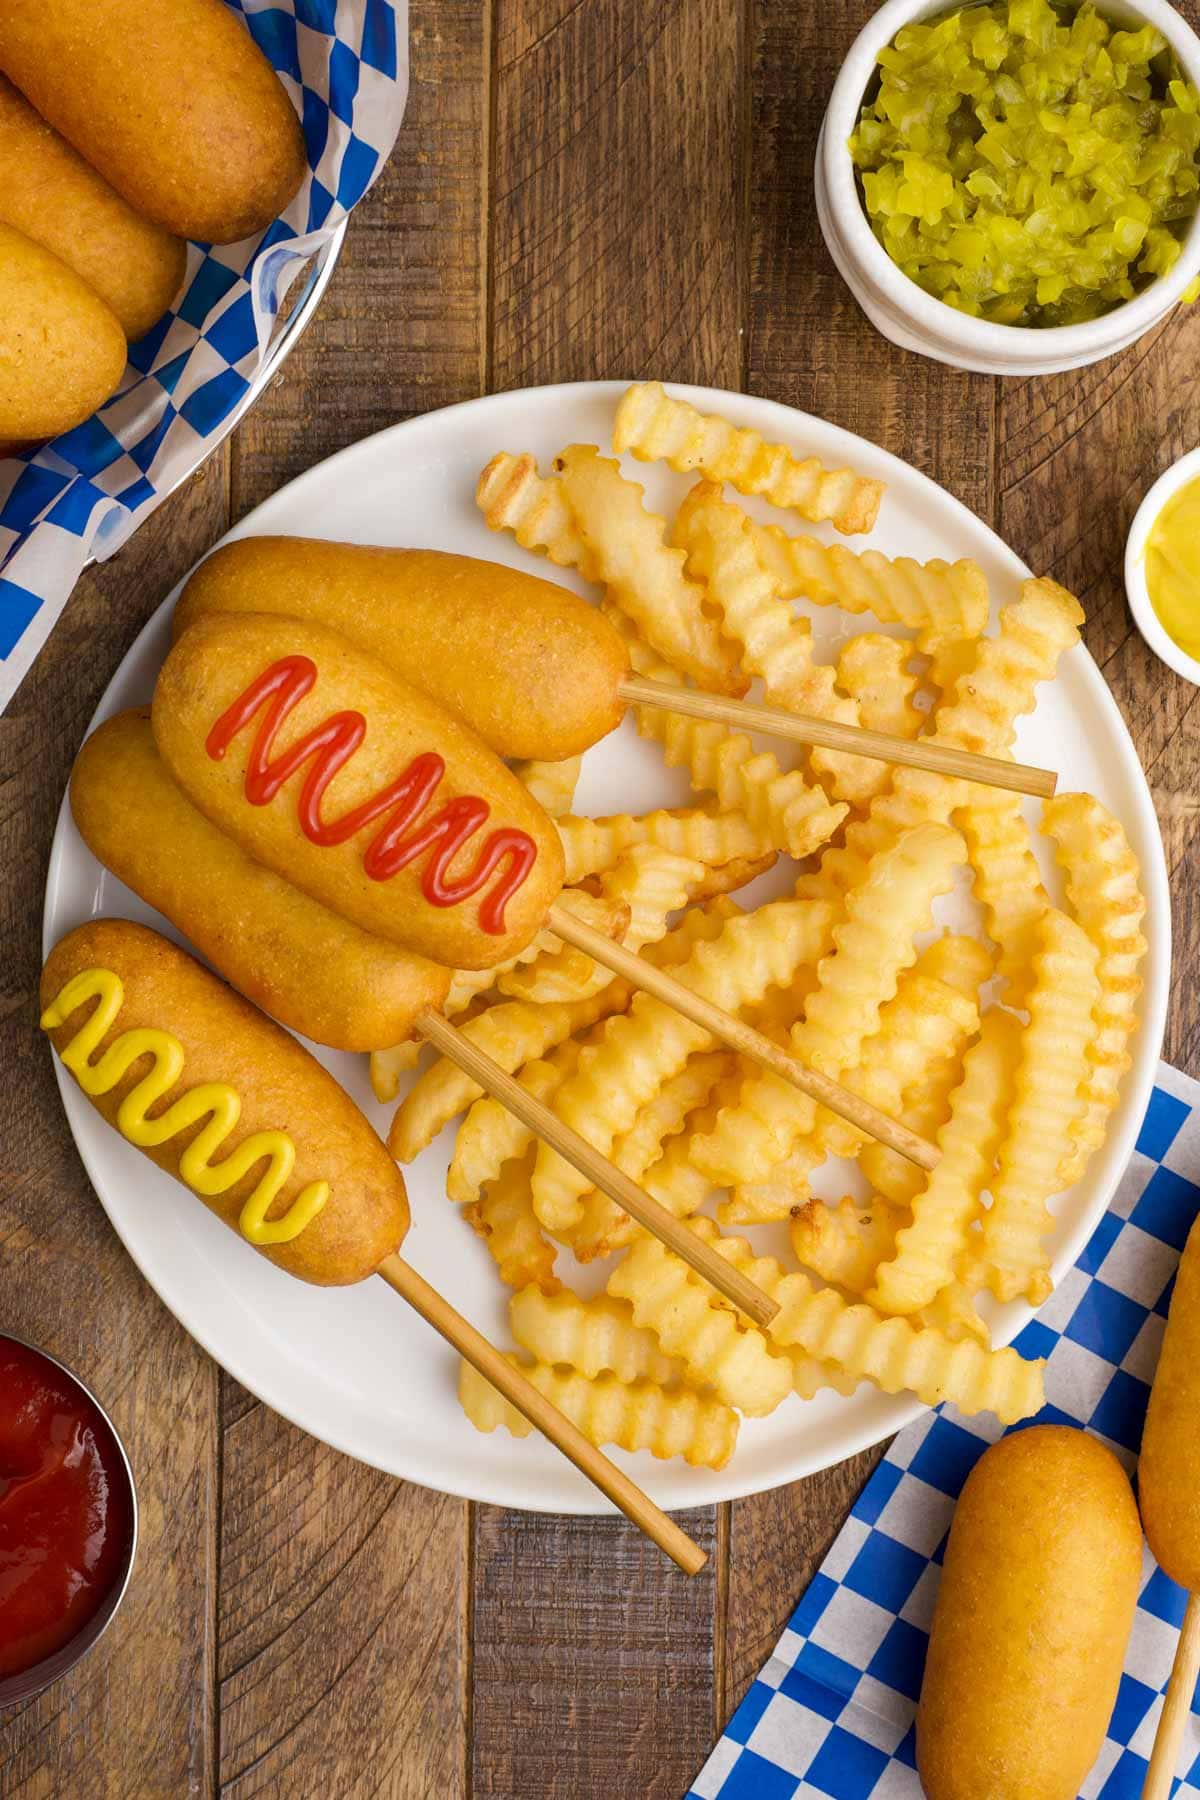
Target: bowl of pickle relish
<point x="1013" y="186"/>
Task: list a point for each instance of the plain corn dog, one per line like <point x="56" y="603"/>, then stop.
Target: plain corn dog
<point x="1037" y="1599"/>
<point x="173" y="103"/>
<point x="50" y="193"/>
<point x="1169" y="1469"/>
<point x="309" y="968"/>
<point x="193" y="1036"/>
<point x="62" y="350"/>
<point x="423" y="837"/>
<point x="529" y="666"/>
<point x="1169" y="1497"/>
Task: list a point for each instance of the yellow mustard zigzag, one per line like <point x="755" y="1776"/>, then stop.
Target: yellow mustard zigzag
<point x="215" y="1100"/>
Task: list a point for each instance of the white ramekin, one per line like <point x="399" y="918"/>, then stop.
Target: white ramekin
<point x="915" y="320"/>
<point x="1144" y="616"/>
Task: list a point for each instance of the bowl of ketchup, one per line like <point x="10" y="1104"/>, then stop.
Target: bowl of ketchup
<point x="68" y="1520"/>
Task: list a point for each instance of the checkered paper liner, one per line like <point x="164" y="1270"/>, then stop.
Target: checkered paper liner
<point x="344" y="64"/>
<point x="831" y="1714"/>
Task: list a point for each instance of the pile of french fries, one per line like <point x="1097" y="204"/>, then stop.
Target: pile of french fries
<point x="1008" y="1048"/>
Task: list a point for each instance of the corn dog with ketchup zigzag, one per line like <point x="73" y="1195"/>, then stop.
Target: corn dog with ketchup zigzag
<point x="306" y="966"/>
<point x="426" y="838"/>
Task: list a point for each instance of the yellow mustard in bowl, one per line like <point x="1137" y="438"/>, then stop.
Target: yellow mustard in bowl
<point x="1173" y="567"/>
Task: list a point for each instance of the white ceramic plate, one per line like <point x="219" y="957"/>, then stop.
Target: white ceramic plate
<point x="354" y="1367"/>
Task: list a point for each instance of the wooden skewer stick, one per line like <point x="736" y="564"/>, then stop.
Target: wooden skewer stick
<point x="1176" y="1708"/>
<point x="828" y="734"/>
<point x="603" y="1174"/>
<point x="740" y="1036"/>
<point x="552" y="1423"/>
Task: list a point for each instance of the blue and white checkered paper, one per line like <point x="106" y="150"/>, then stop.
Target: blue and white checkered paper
<point x="831" y="1715"/>
<point x="345" y="65"/>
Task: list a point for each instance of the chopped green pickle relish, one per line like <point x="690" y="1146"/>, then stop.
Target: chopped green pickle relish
<point x="1030" y="163"/>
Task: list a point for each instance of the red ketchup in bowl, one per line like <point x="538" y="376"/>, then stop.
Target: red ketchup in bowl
<point x="65" y="1516"/>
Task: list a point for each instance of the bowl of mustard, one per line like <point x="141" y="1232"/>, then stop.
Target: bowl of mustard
<point x="1013" y="186"/>
<point x="1162" y="567"/>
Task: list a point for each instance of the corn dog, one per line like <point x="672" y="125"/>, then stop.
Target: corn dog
<point x="173" y="103"/>
<point x="314" y="971"/>
<point x="1038" y="1593"/>
<point x="218" y="1096"/>
<point x="426" y="839"/>
<point x="62" y="350"/>
<point x="51" y="194"/>
<point x="529" y="666"/>
<point x="138" y="1022"/>
<point x="1169" y="1469"/>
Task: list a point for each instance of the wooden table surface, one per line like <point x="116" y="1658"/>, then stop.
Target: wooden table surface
<point x="582" y="188"/>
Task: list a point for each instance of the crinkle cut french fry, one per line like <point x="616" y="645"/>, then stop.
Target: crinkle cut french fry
<point x="1007" y="882"/>
<point x="928" y="1249"/>
<point x="952" y="1312"/>
<point x="593" y="1337"/>
<point x="701" y="924"/>
<point x="1034" y="631"/>
<point x="775" y="643"/>
<point x="547" y="970"/>
<point x="387" y="1066"/>
<point x="787" y="810"/>
<point x="1047" y="1103"/>
<point x="512" y="1034"/>
<point x="845" y="1244"/>
<point x="638" y="1054"/>
<point x="604" y="1226"/>
<point x="890" y="1352"/>
<point x="643" y="574"/>
<point x="552" y="784"/>
<point x="577" y="977"/>
<point x="654" y="426"/>
<point x="931" y="1018"/>
<point x="727" y="878"/>
<point x="633" y="1415"/>
<point x="717" y="1349"/>
<point x="926" y="1109"/>
<point x="809" y="1373"/>
<point x="873" y="945"/>
<point x="873" y="670"/>
<point x="591" y="846"/>
<point x="512" y="496"/>
<point x="944" y="603"/>
<point x="647" y="885"/>
<point x="490" y="1136"/>
<point x="653" y="883"/>
<point x="1102" y="877"/>
<point x="503" y="1216"/>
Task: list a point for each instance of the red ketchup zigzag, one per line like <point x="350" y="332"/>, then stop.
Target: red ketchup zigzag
<point x="328" y="747"/>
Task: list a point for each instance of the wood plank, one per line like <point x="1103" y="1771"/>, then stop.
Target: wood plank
<point x="777" y="1542"/>
<point x="618" y="241"/>
<point x="810" y="346"/>
<point x="592" y="1659"/>
<point x="342" y="1593"/>
<point x="148" y="1686"/>
<point x="617" y="249"/>
<point x="341" y="1624"/>
<point x="400" y="329"/>
<point x="807" y="342"/>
